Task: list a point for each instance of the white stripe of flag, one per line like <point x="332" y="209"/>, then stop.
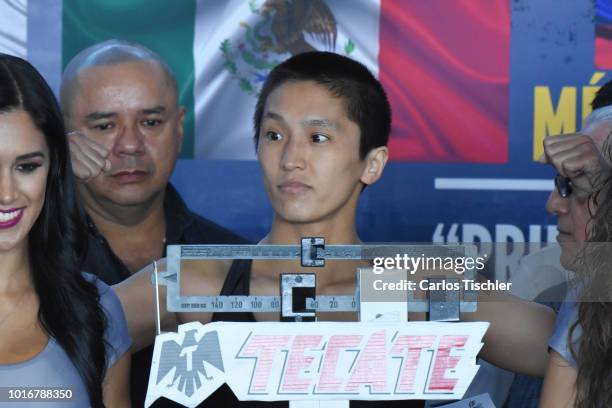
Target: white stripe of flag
<point x="13" y="27"/>
<point x="499" y="184"/>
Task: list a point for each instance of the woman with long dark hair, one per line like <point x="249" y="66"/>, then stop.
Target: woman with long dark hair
<point x="579" y="371"/>
<point x="59" y="328"/>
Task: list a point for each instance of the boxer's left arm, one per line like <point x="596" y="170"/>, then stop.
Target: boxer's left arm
<point x="517" y="338"/>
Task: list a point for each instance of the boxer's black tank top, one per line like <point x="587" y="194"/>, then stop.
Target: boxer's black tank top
<point x="236" y="284"/>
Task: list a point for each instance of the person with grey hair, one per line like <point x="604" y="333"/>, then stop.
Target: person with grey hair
<point x="120" y="104"/>
<point x="581" y="163"/>
<point x="578" y="372"/>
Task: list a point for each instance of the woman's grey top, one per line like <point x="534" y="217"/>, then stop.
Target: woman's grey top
<point x="565" y="319"/>
<point x="52" y="368"/>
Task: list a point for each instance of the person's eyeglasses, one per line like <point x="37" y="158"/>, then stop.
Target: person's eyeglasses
<point x="563" y="185"/>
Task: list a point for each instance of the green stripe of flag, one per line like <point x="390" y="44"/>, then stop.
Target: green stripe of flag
<point x="158" y="24"/>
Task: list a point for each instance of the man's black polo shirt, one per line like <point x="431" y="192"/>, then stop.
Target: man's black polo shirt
<point x="182" y="227"/>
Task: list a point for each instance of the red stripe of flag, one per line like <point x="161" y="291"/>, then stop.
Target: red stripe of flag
<point x="603" y="53"/>
<point x="445" y="66"/>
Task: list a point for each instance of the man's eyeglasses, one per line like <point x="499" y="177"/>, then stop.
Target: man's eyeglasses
<point x="563" y="185"/>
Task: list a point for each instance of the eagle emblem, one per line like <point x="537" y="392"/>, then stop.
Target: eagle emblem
<point x="188" y="359"/>
<point x="278" y="30"/>
<point x="291" y="19"/>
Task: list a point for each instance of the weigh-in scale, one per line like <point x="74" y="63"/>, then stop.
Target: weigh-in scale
<point x="298" y="301"/>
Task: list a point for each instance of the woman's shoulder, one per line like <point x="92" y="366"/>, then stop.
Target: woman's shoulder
<point x="108" y="298"/>
<point x="559" y="341"/>
<point x="116" y="335"/>
<point x="100" y="284"/>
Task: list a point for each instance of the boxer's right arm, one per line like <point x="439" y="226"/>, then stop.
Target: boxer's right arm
<point x="138" y="301"/>
<point x="138" y="298"/>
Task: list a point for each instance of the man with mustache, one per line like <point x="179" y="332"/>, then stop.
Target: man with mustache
<point x="120" y="100"/>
